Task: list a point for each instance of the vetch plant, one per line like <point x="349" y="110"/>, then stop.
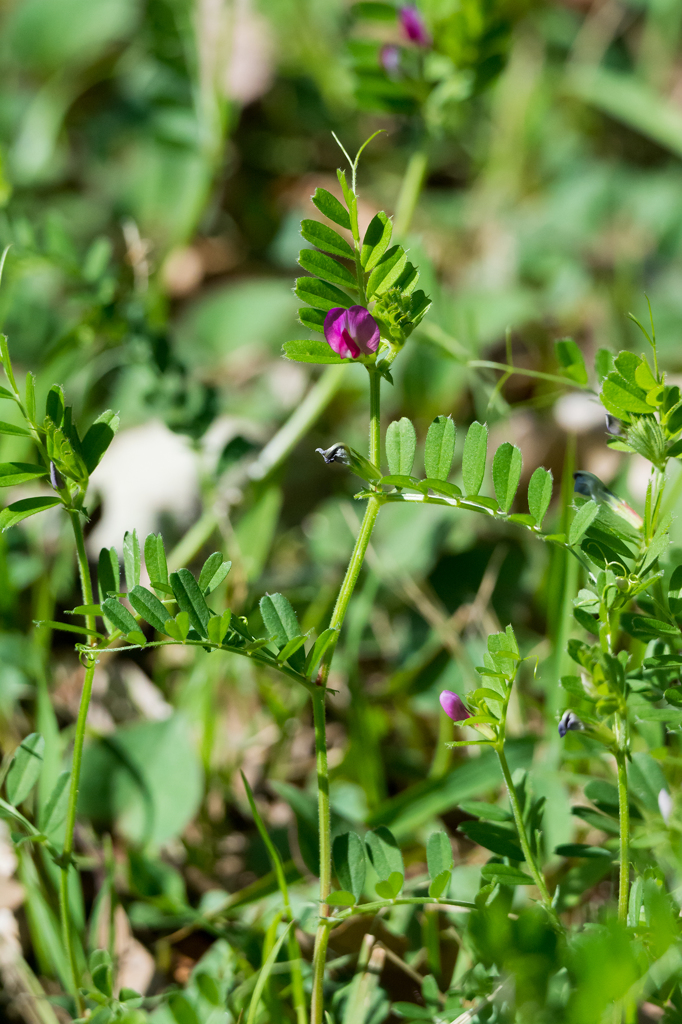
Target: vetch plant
<point x="361" y="294"/>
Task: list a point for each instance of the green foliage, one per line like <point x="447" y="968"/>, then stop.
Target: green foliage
<point x="401" y="446"/>
<point x="25" y="769"/>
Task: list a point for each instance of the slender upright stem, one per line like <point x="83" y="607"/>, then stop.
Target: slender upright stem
<point x="538" y="877"/>
<point x="338" y="615"/>
<point x="624" y="851"/>
<point x="91" y="661"/>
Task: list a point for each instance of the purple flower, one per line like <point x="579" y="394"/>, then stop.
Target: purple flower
<point x="390" y="60"/>
<point x="351" y="332"/>
<point x="453" y="706"/>
<point x="569" y="722"/>
<point x="413" y="26"/>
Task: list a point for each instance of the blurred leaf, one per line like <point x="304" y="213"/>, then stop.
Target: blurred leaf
<point x="504" y="874"/>
<point x="582" y="850"/>
<point x="255" y="531"/>
<point x="341" y="898"/>
<point x="474" y="457"/>
<point x="10" y="428"/>
<point x="54" y="813"/>
<point x="350" y="865"/>
<point x="19" y="510"/>
<point x="571" y="360"/>
<point x="500" y="840"/>
<point x="25" y="768"/>
<point x="507" y="465"/>
<point x="145" y="777"/>
<point x="401" y="445"/>
<point x="331" y="207"/>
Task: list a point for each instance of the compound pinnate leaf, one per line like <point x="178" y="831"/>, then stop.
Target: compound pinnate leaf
<point x="474" y="456"/>
<point x="401" y="445"/>
<point x="331" y="208"/>
<point x="25" y="769"/>
<point x="621" y="397"/>
<point x="384" y="852"/>
<point x="19" y="510"/>
<point x="539" y="494"/>
<point x="313" y="319"/>
<point x="326" y="268"/>
<point x="438" y="854"/>
<point x="350" y="862"/>
<point x="376" y="241"/>
<point x="132" y="559"/>
<point x="583" y="519"/>
<point x="12" y="473"/>
<point x="507" y="465"/>
<point x="190" y="599"/>
<point x="149" y="608"/>
<point x="440" y="448"/>
<point x="325" y="238"/>
<point x="155" y="559"/>
<point x="119" y="616"/>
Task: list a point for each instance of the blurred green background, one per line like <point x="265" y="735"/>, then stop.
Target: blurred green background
<point x="156" y="159"/>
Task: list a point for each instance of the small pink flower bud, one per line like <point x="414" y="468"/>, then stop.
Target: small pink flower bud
<point x="453" y="706"/>
<point x="413" y="26"/>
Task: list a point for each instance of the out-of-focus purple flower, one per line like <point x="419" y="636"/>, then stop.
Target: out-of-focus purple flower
<point x="351" y="332"/>
<point x="569" y="722"/>
<point x="453" y="706"/>
<point x="665" y="804"/>
<point x="413" y="26"/>
<point x="613" y="425"/>
<point x="390" y="60"/>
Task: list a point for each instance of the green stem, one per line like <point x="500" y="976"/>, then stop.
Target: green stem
<point x="345" y="593"/>
<point x="86" y="590"/>
<point x="538" y="877"/>
<point x="624" y="821"/>
<point x="410" y="189"/>
<point x="324" y="826"/>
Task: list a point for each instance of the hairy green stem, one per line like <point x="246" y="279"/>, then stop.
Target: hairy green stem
<point x="624" y="831"/>
<point x="79" y="738"/>
<point x="345" y="593"/>
<point x="538" y="877"/>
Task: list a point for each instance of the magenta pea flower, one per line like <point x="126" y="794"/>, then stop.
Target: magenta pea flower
<point x="389" y="58"/>
<point x="453" y="706"/>
<point x="351" y="332"/>
<point x="413" y="26"/>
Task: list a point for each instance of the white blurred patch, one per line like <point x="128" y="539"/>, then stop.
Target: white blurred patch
<point x="146" y="697"/>
<point x="577" y="413"/>
<point x="250" y="64"/>
<point x="665" y="805"/>
<point x="639" y="475"/>
<point x="148" y="471"/>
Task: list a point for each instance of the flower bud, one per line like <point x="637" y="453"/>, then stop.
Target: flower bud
<point x="356" y="462"/>
<point x="569" y="722"/>
<point x="453" y="706"/>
